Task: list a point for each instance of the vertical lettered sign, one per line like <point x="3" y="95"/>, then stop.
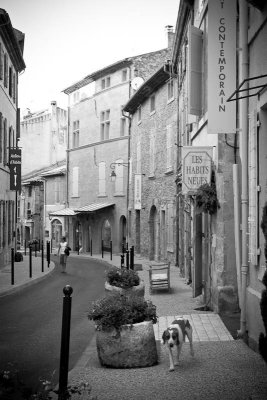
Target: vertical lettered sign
<point x="137" y="191"/>
<point x="221" y="66"/>
<point x="15" y="169"/>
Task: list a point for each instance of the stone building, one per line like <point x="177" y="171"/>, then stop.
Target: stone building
<point x="11" y="64"/>
<point x="43" y="138"/>
<point x="216" y="45"/>
<point x="43" y="191"/>
<point x="98" y="143"/>
<point x="152" y="199"/>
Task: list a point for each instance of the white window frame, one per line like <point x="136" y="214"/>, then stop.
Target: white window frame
<point x="104" y="125"/>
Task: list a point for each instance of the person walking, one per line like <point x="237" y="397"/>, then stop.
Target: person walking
<point x="63" y="245"/>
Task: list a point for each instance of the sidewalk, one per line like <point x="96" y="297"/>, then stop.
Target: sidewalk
<point x="222" y="367"/>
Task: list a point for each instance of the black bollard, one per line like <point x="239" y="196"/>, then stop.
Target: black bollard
<point x="127" y="259"/>
<point x="42" y="255"/>
<point x="65" y="343"/>
<point x="102" y="248"/>
<point x="111" y="249"/>
<point x="48" y="254"/>
<point x="35" y="248"/>
<point x="25" y="249"/>
<point x="91" y="247"/>
<point x="12" y="266"/>
<point x="131" y="257"/>
<point x="30" y="260"/>
<point x="122" y="260"/>
<point x="122" y="248"/>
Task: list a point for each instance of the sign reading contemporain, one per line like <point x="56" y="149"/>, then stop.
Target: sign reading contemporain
<point x="15" y="169"/>
<point x="221" y="66"/>
<point x="196" y="167"/>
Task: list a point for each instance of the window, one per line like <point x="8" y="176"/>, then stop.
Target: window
<point x="139" y="113"/>
<point x="1" y="138"/>
<point x="5" y="70"/>
<point x="5" y="143"/>
<point x="123" y="124"/>
<point x="104" y="125"/>
<point x="76" y="134"/>
<point x="170" y="227"/>
<point x="29" y="211"/>
<point x="30" y="191"/>
<point x="152" y="104"/>
<point x="170" y="89"/>
<point x="14" y="87"/>
<point x="10" y="81"/>
<point x="119" y="177"/>
<point x="169" y="150"/>
<point x="105" y="83"/>
<point x="152" y="154"/>
<point x="75" y="182"/>
<point x="102" y="179"/>
<point x="124" y="75"/>
<point x="1" y="62"/>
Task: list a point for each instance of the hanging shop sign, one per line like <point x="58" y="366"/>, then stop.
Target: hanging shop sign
<point x="197" y="162"/>
<point x="221" y="66"/>
<point x="137" y="191"/>
<point x="15" y="169"/>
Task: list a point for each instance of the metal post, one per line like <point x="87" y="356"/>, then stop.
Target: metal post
<point x="102" y="245"/>
<point x="25" y="247"/>
<point x="30" y="260"/>
<point x="65" y="343"/>
<point x="51" y="246"/>
<point x="91" y="247"/>
<point x="111" y="249"/>
<point x="122" y="260"/>
<point x="127" y="259"/>
<point x="35" y="248"/>
<point x="12" y="266"/>
<point x="48" y="254"/>
<point x="132" y="257"/>
<point x="42" y="255"/>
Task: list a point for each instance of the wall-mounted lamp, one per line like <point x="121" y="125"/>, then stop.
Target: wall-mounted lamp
<point x="113" y="166"/>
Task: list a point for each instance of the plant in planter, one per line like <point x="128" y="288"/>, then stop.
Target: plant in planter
<point x="124" y="280"/>
<point x="125" y="335"/>
<point x="206" y="198"/>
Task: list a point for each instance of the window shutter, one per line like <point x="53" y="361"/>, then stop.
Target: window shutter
<point x="102" y="179"/>
<point x="75" y="181"/>
<point x="195" y="70"/>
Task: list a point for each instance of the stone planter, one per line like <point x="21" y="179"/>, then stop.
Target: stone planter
<point x="138" y="290"/>
<point x="132" y="347"/>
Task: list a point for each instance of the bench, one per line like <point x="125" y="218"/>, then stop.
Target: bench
<point x="159" y="276"/>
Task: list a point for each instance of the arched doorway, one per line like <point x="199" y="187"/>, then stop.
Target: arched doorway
<point x="56" y="232"/>
<point x="153" y="233"/>
<point x="106" y="234"/>
<point x="123" y="232"/>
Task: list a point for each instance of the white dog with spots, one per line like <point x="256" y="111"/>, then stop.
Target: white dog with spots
<point x="175" y="335"/>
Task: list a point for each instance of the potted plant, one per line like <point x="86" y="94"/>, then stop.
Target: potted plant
<point x="125" y="335"/>
<point x="124" y="281"/>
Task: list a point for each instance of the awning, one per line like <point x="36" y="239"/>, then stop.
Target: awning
<point x="64" y="212"/>
<point x="249" y="87"/>
<point x="93" y="207"/>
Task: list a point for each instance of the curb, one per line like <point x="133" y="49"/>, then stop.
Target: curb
<point x="22" y="286"/>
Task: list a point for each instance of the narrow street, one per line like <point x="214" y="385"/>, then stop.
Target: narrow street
<point x="31" y="320"/>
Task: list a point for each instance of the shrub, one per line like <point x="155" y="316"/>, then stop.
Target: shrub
<point x="18" y="257"/>
<point x="122" y="277"/>
<point x="113" y="311"/>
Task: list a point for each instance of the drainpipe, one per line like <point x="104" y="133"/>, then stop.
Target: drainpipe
<point x="243" y="26"/>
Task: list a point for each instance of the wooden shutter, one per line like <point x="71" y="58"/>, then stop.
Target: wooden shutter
<point x="195" y="71"/>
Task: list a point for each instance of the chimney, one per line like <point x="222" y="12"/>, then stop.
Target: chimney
<point x="170" y="35"/>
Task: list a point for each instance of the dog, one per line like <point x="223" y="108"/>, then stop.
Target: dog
<point x="175" y="335"/>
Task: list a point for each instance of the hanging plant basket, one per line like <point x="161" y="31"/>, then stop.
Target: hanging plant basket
<point x="206" y="198"/>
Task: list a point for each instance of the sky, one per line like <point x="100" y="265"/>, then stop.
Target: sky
<point x="65" y="40"/>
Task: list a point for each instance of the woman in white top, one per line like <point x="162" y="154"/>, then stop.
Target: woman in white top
<point x="61" y="252"/>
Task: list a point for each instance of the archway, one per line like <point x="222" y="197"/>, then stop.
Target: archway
<point x="123" y="231"/>
<point x="106" y="233"/>
<point x="153" y="233"/>
<point x="56" y="232"/>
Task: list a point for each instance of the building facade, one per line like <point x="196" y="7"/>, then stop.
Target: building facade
<point x="43" y="138"/>
<point x="152" y="202"/>
<point x="43" y="191"/>
<point x="216" y="45"/>
<point x="11" y="64"/>
<point x="99" y="143"/>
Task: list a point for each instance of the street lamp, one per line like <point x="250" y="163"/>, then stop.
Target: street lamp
<point x="113" y="166"/>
